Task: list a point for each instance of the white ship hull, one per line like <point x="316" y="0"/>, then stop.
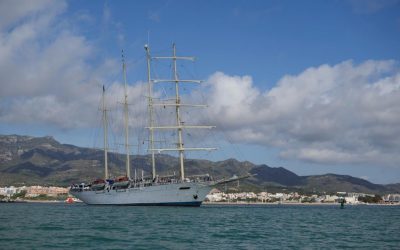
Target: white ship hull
<point x="175" y="194"/>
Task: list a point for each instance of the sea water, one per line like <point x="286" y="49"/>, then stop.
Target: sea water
<point x="79" y="226"/>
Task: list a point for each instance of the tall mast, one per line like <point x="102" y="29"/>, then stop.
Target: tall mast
<point x="151" y="119"/>
<point x="177" y="105"/>
<point x="105" y="136"/>
<point x="128" y="172"/>
<point x="178" y="116"/>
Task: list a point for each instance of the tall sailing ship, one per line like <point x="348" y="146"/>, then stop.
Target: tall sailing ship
<point x="155" y="190"/>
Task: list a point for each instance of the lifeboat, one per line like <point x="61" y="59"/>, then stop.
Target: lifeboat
<point x="121" y="182"/>
<point x="98" y="184"/>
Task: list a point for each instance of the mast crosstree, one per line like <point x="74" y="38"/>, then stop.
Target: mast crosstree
<point x="179" y="126"/>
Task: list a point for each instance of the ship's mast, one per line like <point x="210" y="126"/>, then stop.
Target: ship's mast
<point x="126" y="114"/>
<point x="178" y="116"/>
<point x="151" y="119"/>
<point x="177" y="104"/>
<point x="105" y="136"/>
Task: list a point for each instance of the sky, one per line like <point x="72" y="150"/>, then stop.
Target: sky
<point x="313" y="86"/>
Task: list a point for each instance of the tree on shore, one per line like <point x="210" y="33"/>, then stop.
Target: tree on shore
<point x="370" y="199"/>
<point x="19" y="195"/>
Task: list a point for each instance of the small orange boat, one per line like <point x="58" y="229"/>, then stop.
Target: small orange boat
<point x="69" y="200"/>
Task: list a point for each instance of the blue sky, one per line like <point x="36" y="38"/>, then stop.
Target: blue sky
<point x="313" y="86"/>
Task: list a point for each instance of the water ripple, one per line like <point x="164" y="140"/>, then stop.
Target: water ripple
<point x="62" y="226"/>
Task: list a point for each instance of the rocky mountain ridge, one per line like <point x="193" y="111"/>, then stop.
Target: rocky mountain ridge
<point x="26" y="160"/>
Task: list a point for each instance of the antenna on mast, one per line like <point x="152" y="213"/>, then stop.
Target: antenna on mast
<point x="148" y="38"/>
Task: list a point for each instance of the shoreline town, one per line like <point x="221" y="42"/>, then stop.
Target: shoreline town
<point x="61" y="194"/>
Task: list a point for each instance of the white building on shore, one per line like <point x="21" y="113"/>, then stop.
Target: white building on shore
<point x="35" y="191"/>
<point x="392" y="198"/>
<point x="11" y="190"/>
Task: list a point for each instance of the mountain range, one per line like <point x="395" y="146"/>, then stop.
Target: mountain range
<point x="27" y="160"/>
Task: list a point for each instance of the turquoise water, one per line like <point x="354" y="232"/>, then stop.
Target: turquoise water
<point x="63" y="226"/>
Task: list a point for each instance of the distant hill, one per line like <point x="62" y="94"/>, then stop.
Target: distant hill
<point x="26" y="160"/>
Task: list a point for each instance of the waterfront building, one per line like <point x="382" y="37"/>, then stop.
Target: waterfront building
<point x="351" y="199"/>
<point x="393" y="198"/>
<point x="8" y="191"/>
<point x="35" y="191"/>
<point x="330" y="198"/>
<point x="215" y="197"/>
<point x="11" y="190"/>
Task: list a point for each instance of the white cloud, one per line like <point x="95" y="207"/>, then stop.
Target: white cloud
<point x="154" y="16"/>
<point x="112" y="28"/>
<point x="337" y="114"/>
<point x="232" y="97"/>
<point x="47" y="74"/>
<point x="344" y="113"/>
<point x="13" y="11"/>
<point x="371" y="6"/>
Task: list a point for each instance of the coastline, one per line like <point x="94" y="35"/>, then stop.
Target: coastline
<point x="43" y="201"/>
<point x="33" y="201"/>
<point x="225" y="203"/>
<point x="266" y="204"/>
